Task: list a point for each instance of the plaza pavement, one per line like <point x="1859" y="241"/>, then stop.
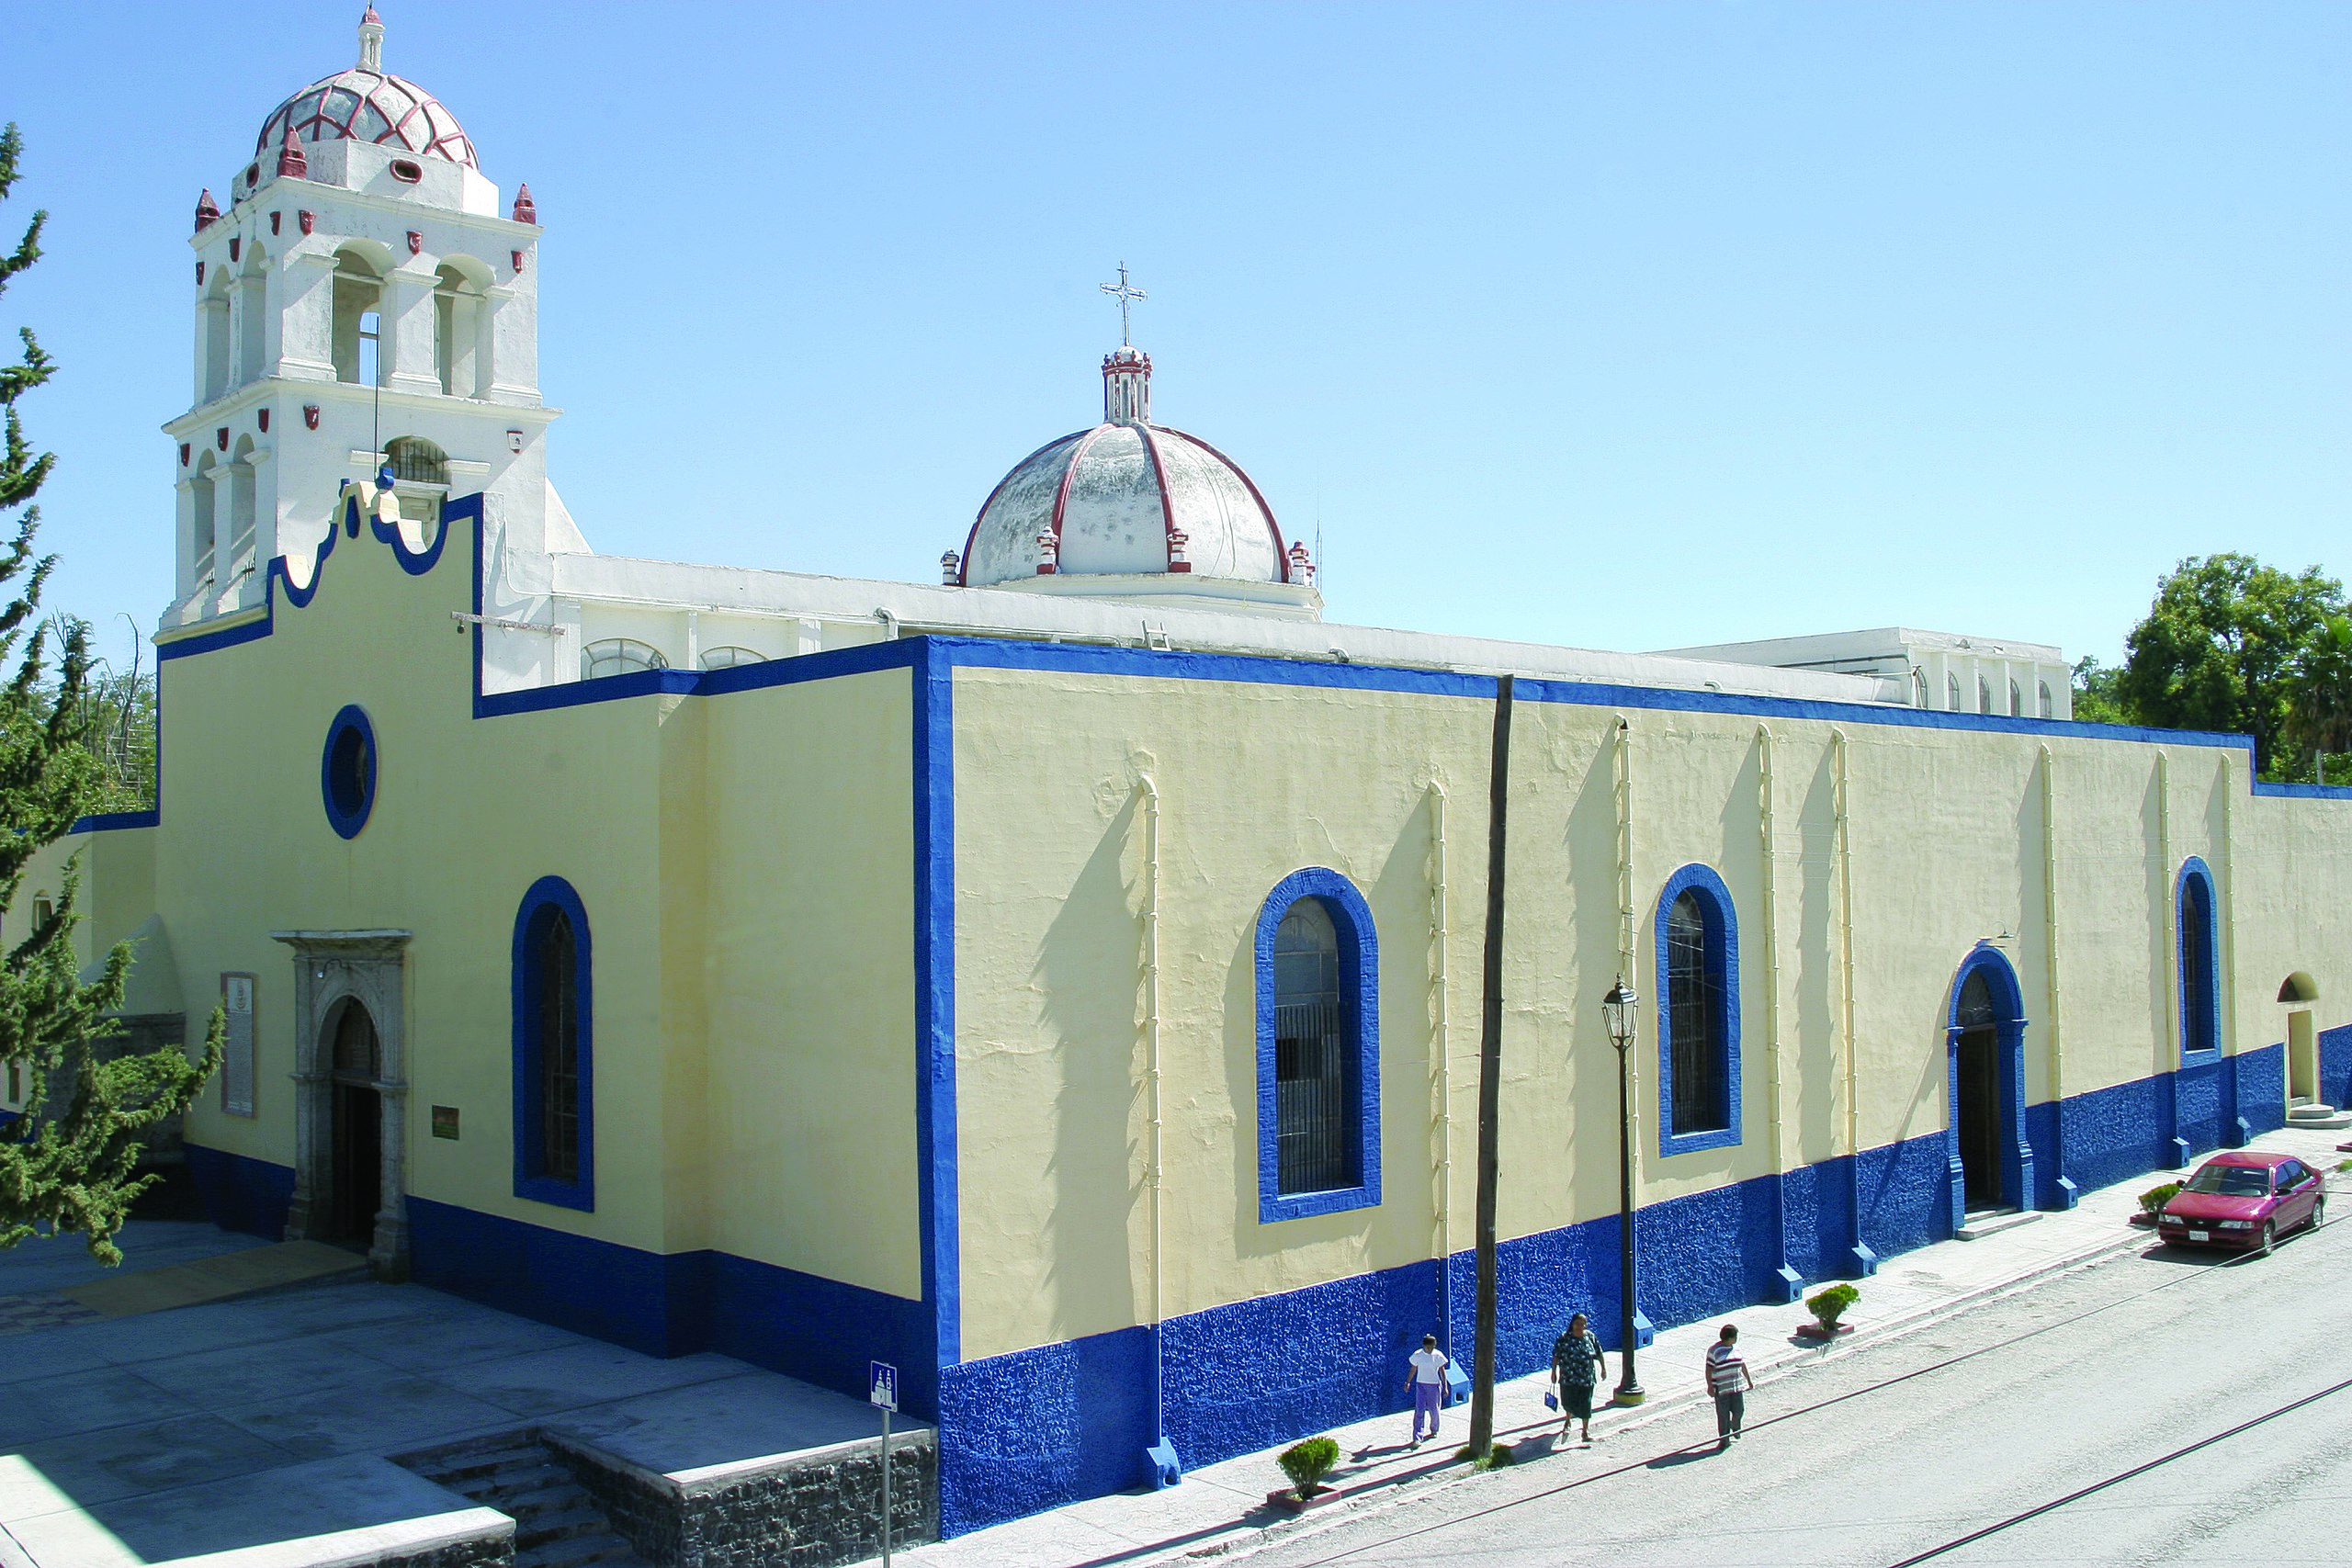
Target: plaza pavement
<point x="259" y="1427"/>
<point x="1220" y="1509"/>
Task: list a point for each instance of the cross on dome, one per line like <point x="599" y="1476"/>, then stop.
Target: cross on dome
<point x="1127" y="294"/>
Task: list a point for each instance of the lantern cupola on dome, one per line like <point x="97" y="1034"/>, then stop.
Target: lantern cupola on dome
<point x="1134" y="510"/>
<point x="368" y="104"/>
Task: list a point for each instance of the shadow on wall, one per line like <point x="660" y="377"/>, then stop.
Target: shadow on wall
<point x="1097" y="1035"/>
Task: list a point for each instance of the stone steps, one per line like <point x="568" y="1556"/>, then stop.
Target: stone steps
<point x="557" y="1525"/>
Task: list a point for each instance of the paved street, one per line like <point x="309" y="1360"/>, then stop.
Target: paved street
<point x="1891" y="1453"/>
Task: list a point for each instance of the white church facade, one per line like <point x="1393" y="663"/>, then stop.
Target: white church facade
<point x="1062" y="980"/>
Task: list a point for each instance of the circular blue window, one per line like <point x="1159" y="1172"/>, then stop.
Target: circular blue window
<point x="347" y="771"/>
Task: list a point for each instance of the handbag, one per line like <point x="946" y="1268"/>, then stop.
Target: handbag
<point x="1551" y="1400"/>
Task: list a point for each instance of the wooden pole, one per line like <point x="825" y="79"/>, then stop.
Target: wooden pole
<point x="1491" y="1077"/>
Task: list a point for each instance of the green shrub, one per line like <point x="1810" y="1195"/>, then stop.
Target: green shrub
<point x="2152" y="1200"/>
<point x="1830" y="1304"/>
<point x="2341" y="1165"/>
<point x="1306" y="1464"/>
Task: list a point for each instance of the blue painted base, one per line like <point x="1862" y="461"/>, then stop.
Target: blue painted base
<point x="1051" y="1425"/>
<point x="1159" y="1462"/>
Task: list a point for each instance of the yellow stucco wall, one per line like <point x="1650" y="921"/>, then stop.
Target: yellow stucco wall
<point x="745" y="864"/>
<point x="1257" y="781"/>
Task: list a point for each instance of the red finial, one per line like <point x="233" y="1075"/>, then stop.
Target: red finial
<point x="291" y="160"/>
<point x="207" y="213"/>
<point x="526" y="209"/>
<point x="372" y="20"/>
<point x="1302" y="565"/>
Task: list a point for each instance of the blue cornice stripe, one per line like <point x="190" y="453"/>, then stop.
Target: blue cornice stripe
<point x="934" y="937"/>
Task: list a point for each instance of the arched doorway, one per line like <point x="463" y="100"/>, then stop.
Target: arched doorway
<point x="356" y="1191"/>
<point x="2299" y="991"/>
<point x="1991" y="1163"/>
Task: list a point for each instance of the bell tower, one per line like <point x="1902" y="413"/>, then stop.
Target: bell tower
<point x="360" y="298"/>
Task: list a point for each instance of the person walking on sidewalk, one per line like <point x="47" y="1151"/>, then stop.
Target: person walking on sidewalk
<point x="1728" y="1379"/>
<point x="1427" y="1382"/>
<point x="1577" y="1363"/>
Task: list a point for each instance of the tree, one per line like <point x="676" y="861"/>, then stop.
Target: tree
<point x="2221" y="646"/>
<point x="2319" y="724"/>
<point x="69" y="1162"/>
<point x="2096" y="701"/>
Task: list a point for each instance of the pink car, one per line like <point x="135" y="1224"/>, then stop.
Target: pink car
<point x="2244" y="1200"/>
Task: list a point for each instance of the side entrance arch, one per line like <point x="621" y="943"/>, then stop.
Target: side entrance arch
<point x="351" y="1093"/>
<point x="1991" y="1165"/>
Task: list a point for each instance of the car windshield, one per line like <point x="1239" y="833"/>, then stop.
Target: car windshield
<point x="2232" y="1180"/>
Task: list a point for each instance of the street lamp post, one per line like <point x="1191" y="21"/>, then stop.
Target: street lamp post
<point x="1618" y="1008"/>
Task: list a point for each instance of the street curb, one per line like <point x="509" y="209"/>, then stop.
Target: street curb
<point x="1377" y="1497"/>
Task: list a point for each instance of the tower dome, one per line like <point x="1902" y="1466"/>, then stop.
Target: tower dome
<point x="366" y="104"/>
<point x="1132" y="508"/>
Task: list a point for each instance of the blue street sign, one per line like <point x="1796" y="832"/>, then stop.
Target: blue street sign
<point x="884" y="1379"/>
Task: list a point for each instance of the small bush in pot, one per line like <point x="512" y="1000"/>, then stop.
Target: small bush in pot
<point x="1828" y="1306"/>
<point x="1306" y="1464"/>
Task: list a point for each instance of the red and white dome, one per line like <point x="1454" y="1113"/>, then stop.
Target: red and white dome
<point x="1126" y="499"/>
<point x="365" y="104"/>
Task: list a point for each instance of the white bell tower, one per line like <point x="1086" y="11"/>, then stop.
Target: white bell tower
<point x="361" y="299"/>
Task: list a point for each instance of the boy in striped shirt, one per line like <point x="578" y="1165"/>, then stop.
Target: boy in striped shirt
<point x="1728" y="1380"/>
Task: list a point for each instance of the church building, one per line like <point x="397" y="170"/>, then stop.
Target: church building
<point x="1061" y="979"/>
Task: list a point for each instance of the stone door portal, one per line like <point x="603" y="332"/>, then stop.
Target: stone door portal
<point x="351" y="1092"/>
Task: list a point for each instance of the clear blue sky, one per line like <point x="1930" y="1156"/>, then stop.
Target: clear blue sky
<point x="1618" y="325"/>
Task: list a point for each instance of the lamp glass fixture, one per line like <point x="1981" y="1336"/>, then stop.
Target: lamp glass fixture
<point x="1617" y="1010"/>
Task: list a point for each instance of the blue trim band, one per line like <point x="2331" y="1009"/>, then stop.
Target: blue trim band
<point x="1360" y="1004"/>
<point x="1721" y="920"/>
<point x="531" y="1180"/>
<point x="934" y="939"/>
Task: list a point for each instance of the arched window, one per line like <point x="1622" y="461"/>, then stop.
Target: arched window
<point x="214" y="311"/>
<point x="2200" y="962"/>
<point x="358" y="291"/>
<point x="728" y="657"/>
<point x="461" y="323"/>
<point x="2017" y="700"/>
<point x="240" y="504"/>
<point x="420" y="477"/>
<point x="2049" y="707"/>
<point x="1319" y="1049"/>
<point x="1984" y="696"/>
<point x="1951" y="694"/>
<point x="553" y="997"/>
<point x="202" y="500"/>
<point x="253" y="314"/>
<point x="619" y="656"/>
<point x="1698" y="1013"/>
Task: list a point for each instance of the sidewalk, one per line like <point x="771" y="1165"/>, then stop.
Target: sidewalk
<point x="1221" y="1508"/>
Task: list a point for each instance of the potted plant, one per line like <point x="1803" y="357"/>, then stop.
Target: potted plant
<point x="1306" y="1464"/>
<point x="1828" y="1306"/>
<point x="2153" y="1201"/>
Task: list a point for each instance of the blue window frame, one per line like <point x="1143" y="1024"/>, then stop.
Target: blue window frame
<point x="1698" y="1013"/>
<point x="554" y="996"/>
<point x="348" y="770"/>
<point x="2198" y="962"/>
<point x="1319" y="1049"/>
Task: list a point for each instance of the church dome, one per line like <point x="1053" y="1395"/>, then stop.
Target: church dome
<point x="1127" y="498"/>
<point x="365" y="104"/>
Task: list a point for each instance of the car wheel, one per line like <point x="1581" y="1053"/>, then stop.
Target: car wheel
<point x="2270" y="1236"/>
<point x="2319" y="1213"/>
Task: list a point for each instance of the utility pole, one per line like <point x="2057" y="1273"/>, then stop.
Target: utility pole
<point x="1491" y="1077"/>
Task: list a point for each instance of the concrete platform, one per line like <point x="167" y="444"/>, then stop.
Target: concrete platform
<point x="260" y="1425"/>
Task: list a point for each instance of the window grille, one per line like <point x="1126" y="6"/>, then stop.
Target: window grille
<point x="558" y="1048"/>
<point x="619" y="656"/>
<point x="2017" y="700"/>
<point x="1951" y="694"/>
<point x="417" y="461"/>
<point x="1695" y="996"/>
<point x="1310" y="1055"/>
<point x="729" y="657"/>
<point x="2049" y="707"/>
<point x="1976" y="1010"/>
<point x="1984" y="696"/>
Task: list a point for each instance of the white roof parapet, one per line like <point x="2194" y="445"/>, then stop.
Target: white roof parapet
<point x="917" y="608"/>
<point x="1882" y="642"/>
